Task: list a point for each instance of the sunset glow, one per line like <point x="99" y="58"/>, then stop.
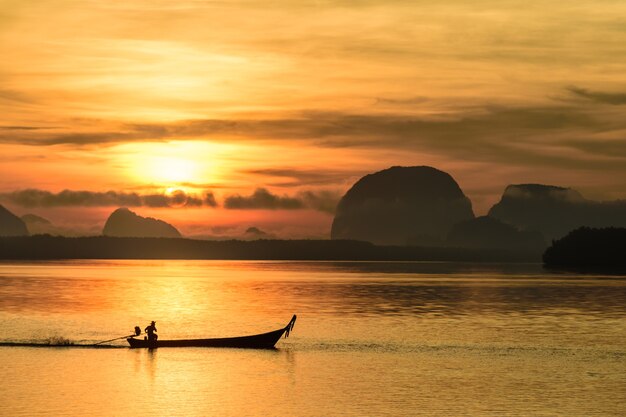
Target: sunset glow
<point x="222" y="99"/>
<point x="434" y="191"/>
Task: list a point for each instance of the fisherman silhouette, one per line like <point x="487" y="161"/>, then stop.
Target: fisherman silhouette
<point x="151" y="330"/>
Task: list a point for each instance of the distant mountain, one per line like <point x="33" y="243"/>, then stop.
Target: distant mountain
<point x="38" y="225"/>
<point x="125" y="223"/>
<point x="401" y="205"/>
<point x="34" y="219"/>
<point x="554" y="211"/>
<point x="10" y="224"/>
<point x="489" y="233"/>
<point x="253" y="233"/>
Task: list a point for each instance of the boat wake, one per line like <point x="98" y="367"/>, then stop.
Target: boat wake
<point x="58" y="344"/>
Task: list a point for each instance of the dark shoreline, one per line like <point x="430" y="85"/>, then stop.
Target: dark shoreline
<point x="46" y="247"/>
<point x="589" y="250"/>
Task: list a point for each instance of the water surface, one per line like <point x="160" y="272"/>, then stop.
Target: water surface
<point x="384" y="339"/>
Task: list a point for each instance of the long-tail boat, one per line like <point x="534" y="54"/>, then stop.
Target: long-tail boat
<point x="257" y="341"/>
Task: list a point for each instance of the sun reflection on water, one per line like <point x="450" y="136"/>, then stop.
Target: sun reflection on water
<point x="371" y="339"/>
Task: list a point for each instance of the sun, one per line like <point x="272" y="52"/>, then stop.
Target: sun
<point x="177" y="164"/>
<point x="165" y="165"/>
<point x="172" y="170"/>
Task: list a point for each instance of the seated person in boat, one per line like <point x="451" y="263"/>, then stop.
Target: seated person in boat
<point x="151" y="330"/>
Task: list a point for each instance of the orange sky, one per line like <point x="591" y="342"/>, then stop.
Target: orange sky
<point x="299" y="99"/>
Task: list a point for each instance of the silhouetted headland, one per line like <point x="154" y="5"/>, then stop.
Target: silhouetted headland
<point x="42" y="247"/>
<point x="125" y="223"/>
<point x="402" y="206"/>
<point x="589" y="249"/>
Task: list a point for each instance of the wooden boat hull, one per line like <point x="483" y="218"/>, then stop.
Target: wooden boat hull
<point x="258" y="341"/>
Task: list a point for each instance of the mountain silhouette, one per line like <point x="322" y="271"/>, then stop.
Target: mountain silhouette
<point x="554" y="211"/>
<point x="10" y="224"/>
<point x="401" y="205"/>
<point x="488" y="233"/>
<point x="125" y="223"/>
<point x="38" y="225"/>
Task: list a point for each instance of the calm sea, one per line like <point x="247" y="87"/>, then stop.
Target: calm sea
<point x="372" y="339"/>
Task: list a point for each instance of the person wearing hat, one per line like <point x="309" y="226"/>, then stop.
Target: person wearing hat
<point x="151" y="330"/>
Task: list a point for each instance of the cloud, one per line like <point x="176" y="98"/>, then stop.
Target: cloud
<point x="296" y="177"/>
<point x="599" y="96"/>
<point x="19" y="128"/>
<point x="506" y="135"/>
<point x="375" y="129"/>
<point x="209" y="200"/>
<point x="41" y="198"/>
<point x="324" y="201"/>
<point x="262" y="199"/>
<point x="15" y="96"/>
<point x="410" y="101"/>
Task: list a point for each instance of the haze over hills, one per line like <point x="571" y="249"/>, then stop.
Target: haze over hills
<point x="125" y="223"/>
<point x="555" y="211"/>
<point x="490" y="233"/>
<point x="33" y="219"/>
<point x="38" y="225"/>
<point x="10" y="224"/>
